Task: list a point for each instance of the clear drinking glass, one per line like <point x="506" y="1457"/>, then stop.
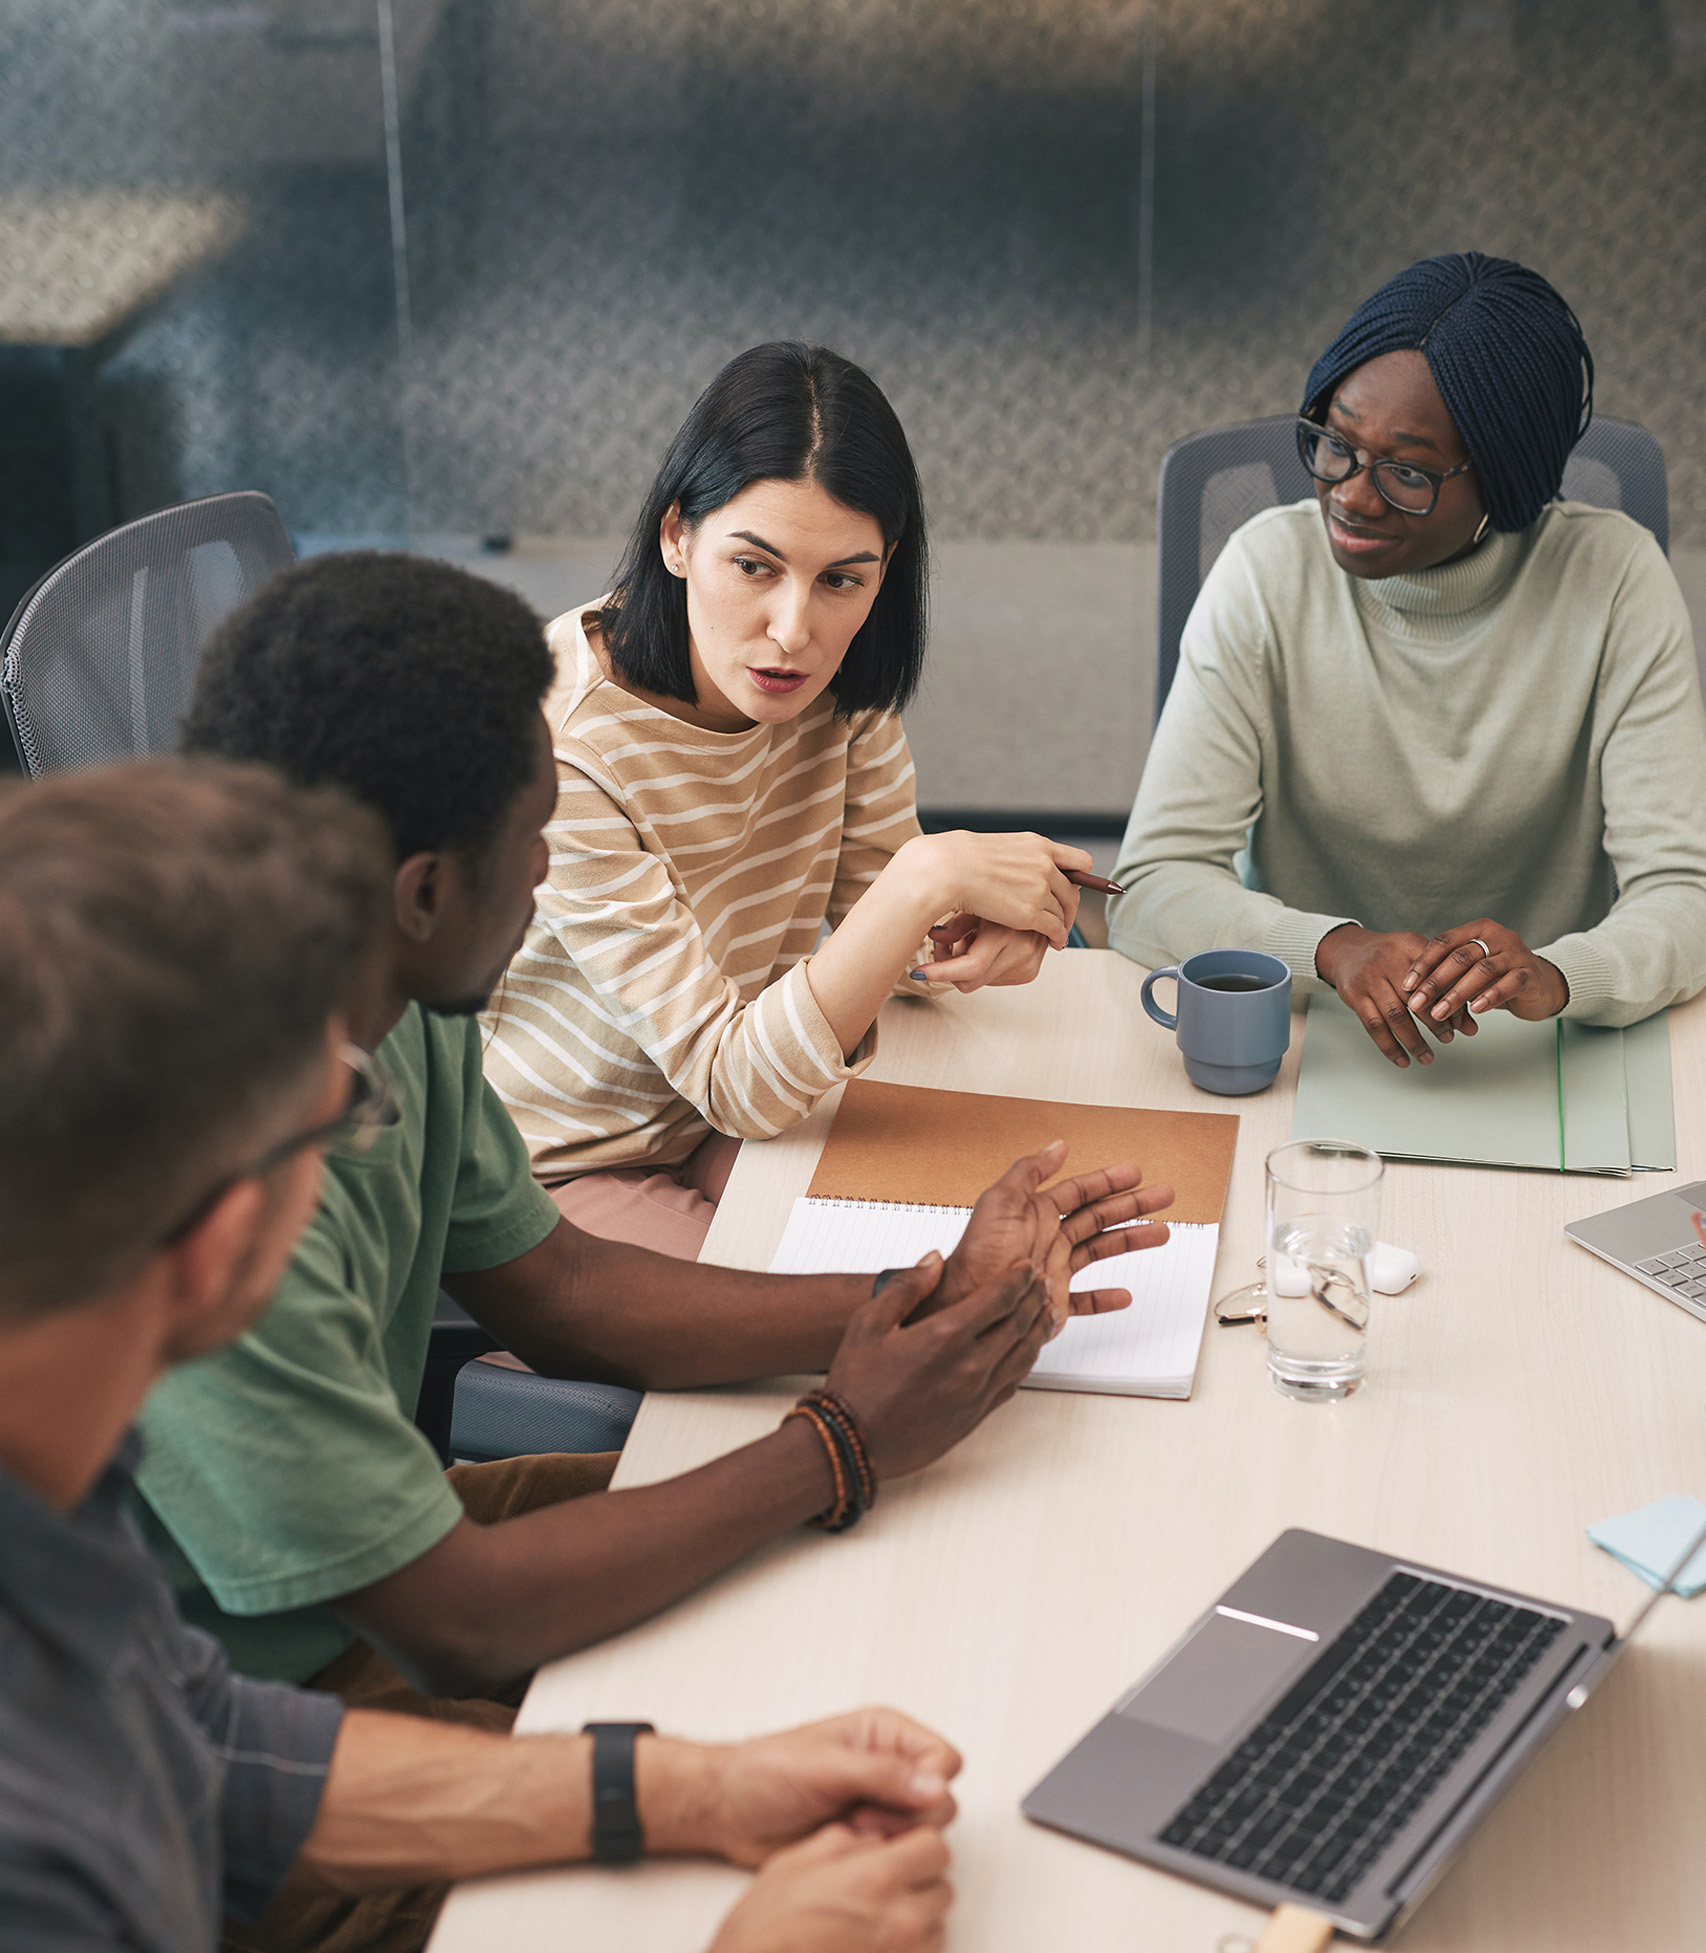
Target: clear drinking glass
<point x="1323" y="1218"/>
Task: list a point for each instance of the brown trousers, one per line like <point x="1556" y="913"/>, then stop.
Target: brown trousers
<point x="305" y="1917"/>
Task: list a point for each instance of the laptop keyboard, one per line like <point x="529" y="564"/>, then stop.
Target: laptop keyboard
<point x="1683" y="1270"/>
<point x="1325" y="1782"/>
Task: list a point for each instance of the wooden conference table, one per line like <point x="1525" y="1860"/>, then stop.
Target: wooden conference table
<point x="1009" y="1594"/>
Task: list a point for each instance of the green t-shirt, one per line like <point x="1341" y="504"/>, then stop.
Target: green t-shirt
<point x="285" y="1470"/>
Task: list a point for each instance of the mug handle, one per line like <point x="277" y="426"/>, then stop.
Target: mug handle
<point x="1166" y="1019"/>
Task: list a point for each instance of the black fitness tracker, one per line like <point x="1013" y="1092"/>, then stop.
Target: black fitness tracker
<point x="617" y="1835"/>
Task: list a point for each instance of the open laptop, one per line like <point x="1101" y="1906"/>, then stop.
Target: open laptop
<point x="1332" y="1729"/>
<point x="1654" y="1240"/>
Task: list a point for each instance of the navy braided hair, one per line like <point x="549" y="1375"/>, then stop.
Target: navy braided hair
<point x="1507" y="355"/>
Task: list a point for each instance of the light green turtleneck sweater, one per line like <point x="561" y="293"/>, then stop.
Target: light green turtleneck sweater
<point x="1498" y="737"/>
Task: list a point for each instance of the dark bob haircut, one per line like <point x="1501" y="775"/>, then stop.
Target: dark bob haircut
<point x="1508" y="357"/>
<point x="782" y="412"/>
<point x="409" y="683"/>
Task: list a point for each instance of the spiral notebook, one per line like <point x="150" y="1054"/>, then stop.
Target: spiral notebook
<point x="904" y="1164"/>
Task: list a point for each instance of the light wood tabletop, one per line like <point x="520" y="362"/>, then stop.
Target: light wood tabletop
<point x="1008" y="1595"/>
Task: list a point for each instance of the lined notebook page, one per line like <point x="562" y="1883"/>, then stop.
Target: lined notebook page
<point x="1148" y="1350"/>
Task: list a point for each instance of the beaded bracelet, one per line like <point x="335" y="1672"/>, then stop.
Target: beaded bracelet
<point x="846" y="1424"/>
<point x="838" y="1516"/>
<point x="849" y="1459"/>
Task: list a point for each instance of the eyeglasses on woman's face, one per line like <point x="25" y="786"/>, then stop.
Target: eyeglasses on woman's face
<point x="370" y="1109"/>
<point x="1404" y="486"/>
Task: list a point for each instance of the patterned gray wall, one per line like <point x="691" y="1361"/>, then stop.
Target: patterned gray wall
<point x="605" y="198"/>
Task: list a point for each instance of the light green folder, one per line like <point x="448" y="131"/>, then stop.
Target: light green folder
<point x="1646" y="1073"/>
<point x="1576" y="1098"/>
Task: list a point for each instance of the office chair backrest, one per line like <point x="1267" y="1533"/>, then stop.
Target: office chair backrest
<point x="1617" y="465"/>
<point x="100" y="658"/>
<point x="1213" y="483"/>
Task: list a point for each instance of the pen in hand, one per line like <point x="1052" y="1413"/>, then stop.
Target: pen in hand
<point x="1079" y="877"/>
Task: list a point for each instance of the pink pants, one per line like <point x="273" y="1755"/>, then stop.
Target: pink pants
<point x="669" y="1208"/>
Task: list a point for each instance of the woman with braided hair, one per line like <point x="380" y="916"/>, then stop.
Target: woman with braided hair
<point x="1452" y="723"/>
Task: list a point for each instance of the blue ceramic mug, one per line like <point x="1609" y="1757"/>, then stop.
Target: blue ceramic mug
<point x="1233" y="1019"/>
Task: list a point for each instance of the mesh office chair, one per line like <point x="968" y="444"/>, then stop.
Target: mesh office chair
<point x="1213" y="483"/>
<point x="98" y="663"/>
<point x="100" y="658"/>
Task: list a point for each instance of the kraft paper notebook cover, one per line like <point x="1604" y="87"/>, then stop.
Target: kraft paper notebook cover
<point x="906" y="1142"/>
<point x="904" y="1164"/>
<point x="1555" y="1095"/>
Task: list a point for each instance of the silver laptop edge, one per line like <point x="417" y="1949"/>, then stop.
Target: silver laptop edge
<point x="1613" y="1235"/>
<point x="1408" y="1866"/>
<point x="1430" y="1863"/>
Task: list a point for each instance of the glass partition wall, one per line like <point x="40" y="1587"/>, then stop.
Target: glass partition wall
<point x="446" y="274"/>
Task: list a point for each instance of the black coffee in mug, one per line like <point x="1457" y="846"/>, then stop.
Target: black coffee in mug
<point x="1233" y="1021"/>
<point x="1232" y="983"/>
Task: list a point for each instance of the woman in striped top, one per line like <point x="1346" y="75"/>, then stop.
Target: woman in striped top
<point x="732" y="774"/>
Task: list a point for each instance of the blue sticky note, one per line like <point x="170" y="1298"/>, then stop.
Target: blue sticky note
<point x="1647" y="1541"/>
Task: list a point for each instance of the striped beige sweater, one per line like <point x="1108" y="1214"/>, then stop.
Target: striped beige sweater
<point x="661" y="992"/>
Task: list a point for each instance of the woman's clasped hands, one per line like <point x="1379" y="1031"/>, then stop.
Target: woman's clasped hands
<point x="990" y="905"/>
<point x="1398" y="981"/>
<point x="1009" y="903"/>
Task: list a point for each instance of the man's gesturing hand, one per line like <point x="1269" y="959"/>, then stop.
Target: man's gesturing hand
<point x="1368" y="969"/>
<point x="1061" y="1230"/>
<point x="842" y="1893"/>
<point x="875" y="1770"/>
<point x="1482" y="966"/>
<point x="918" y="1387"/>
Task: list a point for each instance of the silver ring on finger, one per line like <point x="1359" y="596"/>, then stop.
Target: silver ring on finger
<point x="1486" y="953"/>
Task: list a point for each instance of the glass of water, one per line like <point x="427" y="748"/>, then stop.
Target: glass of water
<point x="1323" y="1220"/>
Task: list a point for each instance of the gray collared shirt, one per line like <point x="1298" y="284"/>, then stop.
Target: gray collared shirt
<point x="144" y="1788"/>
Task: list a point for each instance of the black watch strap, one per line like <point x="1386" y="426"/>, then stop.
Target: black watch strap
<point x="617" y="1835"/>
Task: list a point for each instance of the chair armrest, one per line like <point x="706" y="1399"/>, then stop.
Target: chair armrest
<point x="503" y="1413"/>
